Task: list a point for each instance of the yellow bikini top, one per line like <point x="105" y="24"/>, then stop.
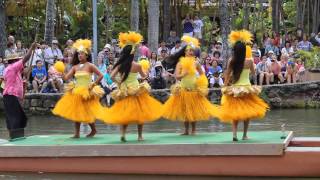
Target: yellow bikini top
<point x="131" y="81"/>
<point x="188" y="64"/>
<point x="244" y="78"/>
<point x="83" y="78"/>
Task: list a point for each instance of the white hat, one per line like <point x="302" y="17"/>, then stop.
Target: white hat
<point x="270" y="52"/>
<point x="55" y="41"/>
<point x="158" y="63"/>
<point x="108" y="46"/>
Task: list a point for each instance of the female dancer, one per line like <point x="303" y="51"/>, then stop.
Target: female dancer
<point x="188" y="102"/>
<point x="81" y="103"/>
<point x="240" y="101"/>
<point x="133" y="102"/>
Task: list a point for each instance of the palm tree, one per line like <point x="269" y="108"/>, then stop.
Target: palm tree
<point x="134" y="16"/>
<point x="276" y="15"/>
<point x="166" y="19"/>
<point x="246" y="7"/>
<point x="225" y="29"/>
<point x="49" y="27"/>
<point x="3" y="36"/>
<point x="153" y="24"/>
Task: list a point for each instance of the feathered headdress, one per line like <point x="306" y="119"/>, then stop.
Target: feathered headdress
<point x="191" y="42"/>
<point x="129" y="38"/>
<point x="243" y="36"/>
<point x="83" y="45"/>
<point x="248" y="52"/>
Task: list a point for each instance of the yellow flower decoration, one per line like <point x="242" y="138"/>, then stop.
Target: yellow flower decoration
<point x="192" y="42"/>
<point x="243" y="36"/>
<point x="83" y="45"/>
<point x="145" y="65"/>
<point x="130" y="38"/>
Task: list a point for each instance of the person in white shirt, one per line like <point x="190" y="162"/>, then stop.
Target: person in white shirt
<point x="162" y="47"/>
<point x="198" y="24"/>
<point x="287" y="49"/>
<point x="318" y="38"/>
<point x="38" y="54"/>
<point x="53" y="53"/>
<point x="176" y="47"/>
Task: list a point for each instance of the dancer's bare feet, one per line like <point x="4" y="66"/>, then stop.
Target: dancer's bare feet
<point x="92" y="133"/>
<point x="245" y="138"/>
<point x="185" y="134"/>
<point x="140" y="138"/>
<point x="76" y="136"/>
<point x="123" y="139"/>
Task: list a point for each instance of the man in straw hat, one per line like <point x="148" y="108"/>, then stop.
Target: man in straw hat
<point x="13" y="93"/>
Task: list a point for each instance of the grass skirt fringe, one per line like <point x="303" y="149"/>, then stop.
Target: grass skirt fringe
<point x="189" y="106"/>
<point x="138" y="109"/>
<point x="243" y="108"/>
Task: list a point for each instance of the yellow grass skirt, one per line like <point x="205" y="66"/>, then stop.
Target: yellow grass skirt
<point x="247" y="106"/>
<point x="189" y="106"/>
<point x="137" y="109"/>
<point x="80" y="105"/>
<point x="133" y="105"/>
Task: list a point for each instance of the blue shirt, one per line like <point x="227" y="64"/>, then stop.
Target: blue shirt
<point x="102" y="68"/>
<point x="187" y="27"/>
<point x="39" y="73"/>
<point x="218" y="69"/>
<point x="107" y="78"/>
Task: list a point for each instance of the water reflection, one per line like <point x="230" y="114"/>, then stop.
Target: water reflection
<point x="304" y="122"/>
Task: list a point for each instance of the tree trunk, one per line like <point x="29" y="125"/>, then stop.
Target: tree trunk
<point x="303" y="15"/>
<point x="246" y="14"/>
<point x="153" y="24"/>
<point x="166" y="19"/>
<point x="315" y="16"/>
<point x="134" y="17"/>
<point x="49" y="27"/>
<point x="3" y="37"/>
<point x="261" y="17"/>
<point x="108" y="20"/>
<point x="255" y="10"/>
<point x="275" y="15"/>
<point x="299" y="13"/>
<point x="225" y="30"/>
<point x="177" y="25"/>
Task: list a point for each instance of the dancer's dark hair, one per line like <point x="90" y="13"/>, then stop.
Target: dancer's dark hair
<point x="237" y="62"/>
<point x="174" y="58"/>
<point x="125" y="62"/>
<point x="76" y="60"/>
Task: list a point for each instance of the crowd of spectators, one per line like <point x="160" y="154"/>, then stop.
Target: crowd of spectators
<point x="276" y="60"/>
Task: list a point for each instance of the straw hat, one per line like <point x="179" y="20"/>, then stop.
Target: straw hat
<point x="12" y="56"/>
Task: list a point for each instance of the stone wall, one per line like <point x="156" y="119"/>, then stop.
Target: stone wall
<point x="300" y="95"/>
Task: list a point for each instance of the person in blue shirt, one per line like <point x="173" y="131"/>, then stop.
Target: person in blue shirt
<point x="216" y="68"/>
<point x="39" y="75"/>
<point x="188" y="26"/>
<point x="108" y="86"/>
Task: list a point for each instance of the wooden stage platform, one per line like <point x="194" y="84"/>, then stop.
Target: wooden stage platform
<point x="264" y="154"/>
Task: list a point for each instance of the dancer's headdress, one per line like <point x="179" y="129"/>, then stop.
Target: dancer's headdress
<point x="243" y="36"/>
<point x="83" y="45"/>
<point x="192" y="43"/>
<point x="130" y="38"/>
